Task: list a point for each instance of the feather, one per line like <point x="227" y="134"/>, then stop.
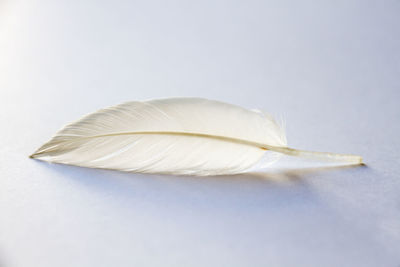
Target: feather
<point x="184" y="136"/>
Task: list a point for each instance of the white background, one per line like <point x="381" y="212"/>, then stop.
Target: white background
<point x="331" y="68"/>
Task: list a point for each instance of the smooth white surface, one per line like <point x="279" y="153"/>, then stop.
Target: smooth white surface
<point x="331" y="68"/>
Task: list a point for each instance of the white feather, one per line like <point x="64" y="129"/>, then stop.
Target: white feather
<point x="174" y="136"/>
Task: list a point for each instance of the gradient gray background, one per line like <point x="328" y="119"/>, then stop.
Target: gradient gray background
<point x="331" y="68"/>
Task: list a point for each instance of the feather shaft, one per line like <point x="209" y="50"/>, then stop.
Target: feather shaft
<point x="327" y="156"/>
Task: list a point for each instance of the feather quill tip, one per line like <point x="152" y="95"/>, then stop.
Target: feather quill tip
<point x="354" y="159"/>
